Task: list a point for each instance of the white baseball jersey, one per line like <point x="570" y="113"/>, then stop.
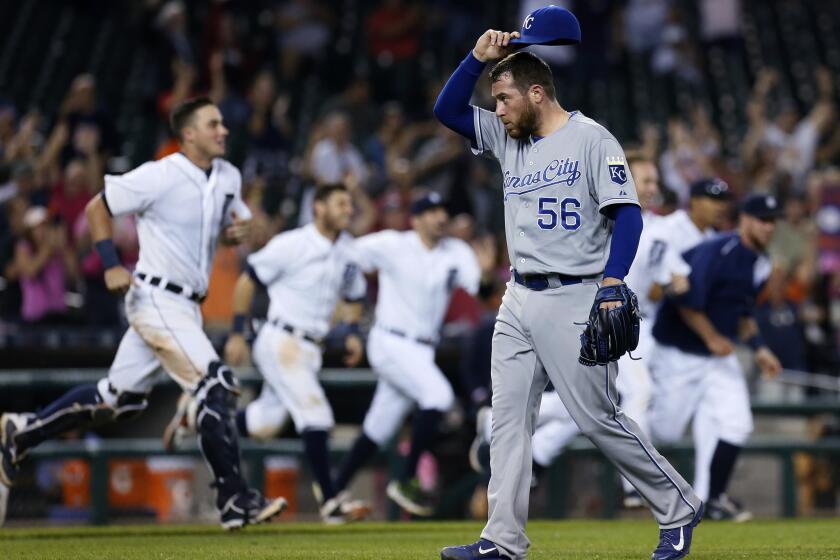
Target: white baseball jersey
<point x="305" y="273"/>
<point x="680" y="234"/>
<point x="177" y="242"/>
<point x="180" y="213"/>
<point x="415" y="282"/>
<point x="656" y="260"/>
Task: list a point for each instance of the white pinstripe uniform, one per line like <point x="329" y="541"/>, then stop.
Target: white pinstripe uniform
<point x="305" y="274"/>
<point x="177" y="245"/>
<point x="415" y="285"/>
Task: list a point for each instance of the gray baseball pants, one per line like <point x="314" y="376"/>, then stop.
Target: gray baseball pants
<point x="536" y="335"/>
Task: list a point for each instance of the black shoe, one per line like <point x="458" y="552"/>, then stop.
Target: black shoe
<point x="411" y="497"/>
<point x="249" y="508"/>
<point x="724" y="508"/>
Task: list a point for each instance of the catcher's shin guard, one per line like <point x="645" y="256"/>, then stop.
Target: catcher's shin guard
<point x="216" y="394"/>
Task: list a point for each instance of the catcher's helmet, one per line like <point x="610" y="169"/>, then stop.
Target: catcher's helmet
<point x="551" y="25"/>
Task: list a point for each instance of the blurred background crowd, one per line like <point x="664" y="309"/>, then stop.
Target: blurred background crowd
<point x="316" y="91"/>
<point x="327" y="90"/>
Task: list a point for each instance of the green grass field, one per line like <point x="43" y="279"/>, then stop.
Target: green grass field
<point x="807" y="539"/>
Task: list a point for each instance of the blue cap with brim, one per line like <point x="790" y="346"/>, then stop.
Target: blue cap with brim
<point x="762" y="206"/>
<point x="426" y="202"/>
<point x="551" y="25"/>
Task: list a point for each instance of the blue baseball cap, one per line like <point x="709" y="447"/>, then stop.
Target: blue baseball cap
<point x="551" y="25"/>
<point x="426" y="202"/>
<point x="711" y="187"/>
<point x="761" y="205"/>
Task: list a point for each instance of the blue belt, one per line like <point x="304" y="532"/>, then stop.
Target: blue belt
<point x="539" y="282"/>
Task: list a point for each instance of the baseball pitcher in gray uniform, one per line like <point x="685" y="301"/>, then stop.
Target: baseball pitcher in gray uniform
<point x="572" y="224"/>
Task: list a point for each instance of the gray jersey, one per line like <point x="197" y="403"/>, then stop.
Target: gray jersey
<point x="554" y="191"/>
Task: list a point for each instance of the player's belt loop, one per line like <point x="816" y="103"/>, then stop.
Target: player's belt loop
<point x="539" y="282"/>
<point x="159" y="282"/>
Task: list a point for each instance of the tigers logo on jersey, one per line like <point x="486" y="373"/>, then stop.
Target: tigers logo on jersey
<point x="450" y="279"/>
<point x="618" y="172"/>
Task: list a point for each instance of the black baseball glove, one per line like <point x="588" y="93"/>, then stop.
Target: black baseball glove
<point x="610" y="333"/>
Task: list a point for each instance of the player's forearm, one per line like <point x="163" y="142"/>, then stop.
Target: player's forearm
<point x="699" y="323"/>
<point x="99" y="219"/>
<point x="102" y="231"/>
<point x="243" y="294"/>
<point x="625" y="240"/>
<point x="452" y="107"/>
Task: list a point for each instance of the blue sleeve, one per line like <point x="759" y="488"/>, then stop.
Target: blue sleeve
<point x="452" y="107"/>
<point x="625" y="238"/>
<point x="704" y="261"/>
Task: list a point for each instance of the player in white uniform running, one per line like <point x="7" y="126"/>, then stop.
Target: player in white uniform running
<point x="418" y="270"/>
<point x="184" y="204"/>
<point x="305" y="270"/>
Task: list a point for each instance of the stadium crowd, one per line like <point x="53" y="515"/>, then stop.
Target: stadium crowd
<point x="372" y="128"/>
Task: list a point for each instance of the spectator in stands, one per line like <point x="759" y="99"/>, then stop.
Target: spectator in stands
<point x="44" y="265"/>
<point x="172" y="22"/>
<point x="24" y="183"/>
<point x="683" y="161"/>
<point x="303" y="32"/>
<point x="442" y="164"/>
<point x="356" y="102"/>
<point x="334" y="156"/>
<point x="394" y="31"/>
<point x="72" y="193"/>
<point x="81" y="111"/>
<point x="11" y="231"/>
<point x="787" y="140"/>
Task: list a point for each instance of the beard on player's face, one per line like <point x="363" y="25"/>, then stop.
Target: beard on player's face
<point x="432" y="223"/>
<point x="526" y="124"/>
<point x="335" y="213"/>
<point x="760" y="232"/>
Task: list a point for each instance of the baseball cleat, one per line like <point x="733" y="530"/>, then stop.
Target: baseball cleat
<point x="10" y="424"/>
<point x="476" y="551"/>
<point x="342" y="509"/>
<point x="249" y="508"/>
<point x="724" y="508"/>
<point x="410" y="497"/>
<point x="182" y="423"/>
<point x="675" y="543"/>
<point x="633" y="500"/>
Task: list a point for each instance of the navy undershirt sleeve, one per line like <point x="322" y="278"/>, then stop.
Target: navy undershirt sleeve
<point x="253" y="274"/>
<point x="625" y="239"/>
<point x="452" y="107"/>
